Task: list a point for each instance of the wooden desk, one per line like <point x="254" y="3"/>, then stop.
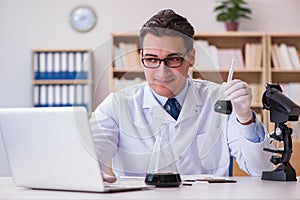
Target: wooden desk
<point x="244" y="188"/>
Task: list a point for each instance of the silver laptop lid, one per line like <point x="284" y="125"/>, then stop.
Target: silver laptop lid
<point x="50" y="148"/>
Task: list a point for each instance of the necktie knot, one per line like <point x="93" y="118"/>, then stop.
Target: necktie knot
<point x="173" y="107"/>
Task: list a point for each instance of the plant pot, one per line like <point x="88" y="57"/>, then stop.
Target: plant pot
<point x="232" y="26"/>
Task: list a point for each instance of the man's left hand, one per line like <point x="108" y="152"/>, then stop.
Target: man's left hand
<point x="240" y="95"/>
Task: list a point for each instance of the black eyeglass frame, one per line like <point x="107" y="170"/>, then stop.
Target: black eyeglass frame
<point x="165" y="61"/>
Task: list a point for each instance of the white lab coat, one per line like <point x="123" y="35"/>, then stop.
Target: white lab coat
<point x="126" y="123"/>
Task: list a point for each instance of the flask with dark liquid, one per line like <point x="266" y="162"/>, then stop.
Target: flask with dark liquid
<point x="163" y="179"/>
<point x="162" y="171"/>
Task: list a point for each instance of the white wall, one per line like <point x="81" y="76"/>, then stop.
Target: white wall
<point x="43" y="24"/>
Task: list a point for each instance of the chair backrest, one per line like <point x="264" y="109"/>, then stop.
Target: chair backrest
<point x="230" y="166"/>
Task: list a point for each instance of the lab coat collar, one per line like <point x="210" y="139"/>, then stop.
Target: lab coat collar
<point x="155" y="109"/>
<point x="149" y="99"/>
<point x="192" y="104"/>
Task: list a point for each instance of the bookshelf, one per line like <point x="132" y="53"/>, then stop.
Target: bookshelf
<point x="286" y="73"/>
<point x="125" y="66"/>
<point x="62" y="77"/>
<point x="239" y="46"/>
<point x="256" y="74"/>
<point x="283" y="74"/>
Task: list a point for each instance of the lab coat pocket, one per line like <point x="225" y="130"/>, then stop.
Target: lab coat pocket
<point x="212" y="156"/>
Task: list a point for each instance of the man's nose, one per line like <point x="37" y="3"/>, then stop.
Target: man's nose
<point x="163" y="67"/>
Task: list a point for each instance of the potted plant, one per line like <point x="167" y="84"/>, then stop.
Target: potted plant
<point x="230" y="11"/>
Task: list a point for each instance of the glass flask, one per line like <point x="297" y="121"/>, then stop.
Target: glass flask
<point x="163" y="169"/>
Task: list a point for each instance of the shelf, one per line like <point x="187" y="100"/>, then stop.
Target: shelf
<point x="231" y="34"/>
<point x="247" y="75"/>
<point x="285" y="76"/>
<point x="241" y="70"/>
<point x="61" y="50"/>
<point x="280" y="75"/>
<point x="61" y="82"/>
<point x="285" y="70"/>
<point x="128" y="75"/>
<point x="231" y="39"/>
<point x="62" y="77"/>
<point x="288" y="38"/>
<point x="124" y="70"/>
<point x="140" y="69"/>
<point x="251" y="75"/>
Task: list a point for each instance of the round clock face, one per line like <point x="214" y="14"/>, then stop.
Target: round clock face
<point x="83" y="19"/>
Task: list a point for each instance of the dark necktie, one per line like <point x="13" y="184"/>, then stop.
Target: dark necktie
<point x="172" y="107"/>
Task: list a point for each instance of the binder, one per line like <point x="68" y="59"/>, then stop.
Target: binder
<point x="78" y="65"/>
<point x="36" y="64"/>
<point x="43" y="95"/>
<point x="49" y="65"/>
<point x="56" y="65"/>
<point x="57" y="95"/>
<point x="71" y="71"/>
<point x="42" y="66"/>
<point x="50" y="95"/>
<point x="71" y="92"/>
<point x="36" y="95"/>
<point x="64" y="64"/>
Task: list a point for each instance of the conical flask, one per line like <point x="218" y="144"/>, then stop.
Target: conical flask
<point x="163" y="169"/>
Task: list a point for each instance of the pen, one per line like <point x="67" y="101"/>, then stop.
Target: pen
<point x="191" y="182"/>
<point x="187" y="184"/>
<point x="217" y="180"/>
<point x="208" y="180"/>
<point x="230" y="74"/>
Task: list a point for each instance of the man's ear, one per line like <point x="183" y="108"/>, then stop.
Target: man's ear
<point x="141" y="52"/>
<point x="141" y="56"/>
<point x="192" y="57"/>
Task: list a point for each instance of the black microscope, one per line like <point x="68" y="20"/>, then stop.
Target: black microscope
<point x="282" y="109"/>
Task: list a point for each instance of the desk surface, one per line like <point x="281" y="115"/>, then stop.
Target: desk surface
<point x="244" y="188"/>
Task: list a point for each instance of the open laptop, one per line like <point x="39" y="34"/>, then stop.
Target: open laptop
<point x="52" y="148"/>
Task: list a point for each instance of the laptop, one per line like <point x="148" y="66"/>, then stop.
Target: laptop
<point x="52" y="148"/>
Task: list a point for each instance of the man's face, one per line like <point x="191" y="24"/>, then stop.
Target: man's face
<point x="164" y="80"/>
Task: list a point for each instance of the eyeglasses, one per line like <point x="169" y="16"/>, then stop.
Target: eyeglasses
<point x="172" y="62"/>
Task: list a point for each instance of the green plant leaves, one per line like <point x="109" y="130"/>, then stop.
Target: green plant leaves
<point x="232" y="10"/>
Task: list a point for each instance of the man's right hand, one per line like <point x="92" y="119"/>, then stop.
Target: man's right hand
<point x="108" y="178"/>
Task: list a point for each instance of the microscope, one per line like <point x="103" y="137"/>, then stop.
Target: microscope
<point x="282" y="109"/>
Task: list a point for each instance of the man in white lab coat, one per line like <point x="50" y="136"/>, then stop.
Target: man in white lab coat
<point x="126" y="123"/>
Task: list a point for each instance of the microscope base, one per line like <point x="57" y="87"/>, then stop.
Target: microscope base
<point x="285" y="172"/>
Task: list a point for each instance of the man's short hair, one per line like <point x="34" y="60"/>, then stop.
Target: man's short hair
<point x="168" y="23"/>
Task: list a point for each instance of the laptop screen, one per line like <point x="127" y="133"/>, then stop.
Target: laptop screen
<point x="50" y="148"/>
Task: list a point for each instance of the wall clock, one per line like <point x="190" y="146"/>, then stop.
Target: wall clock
<point x="83" y="19"/>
